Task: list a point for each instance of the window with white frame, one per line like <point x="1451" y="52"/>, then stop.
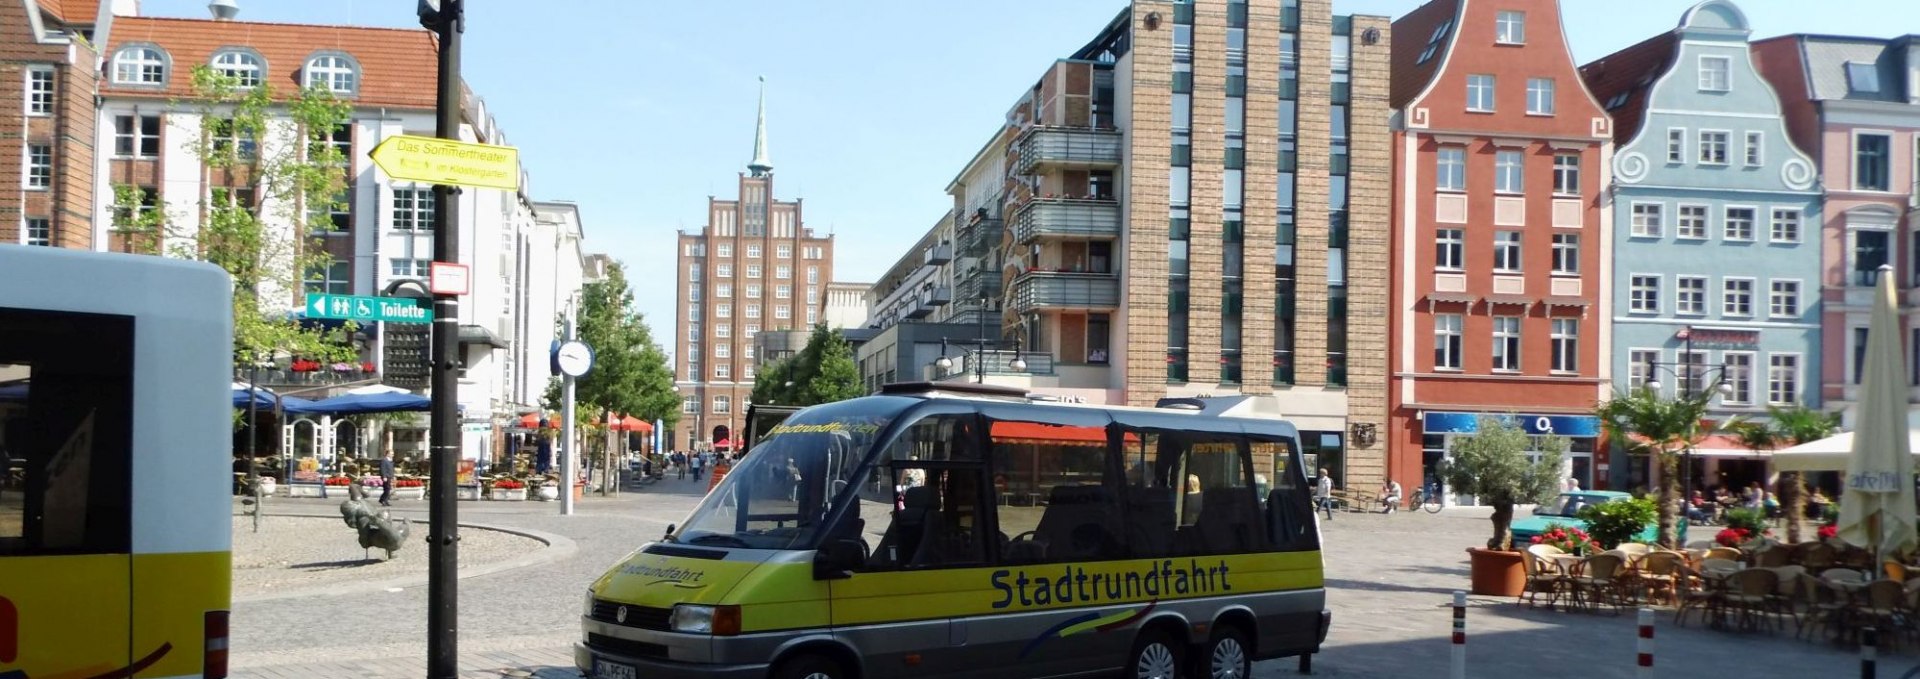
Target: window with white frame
<point x="1566" y="345"/>
<point x="244" y="68"/>
<point x="783" y="272"/>
<point x="722" y="404"/>
<point x="753" y="291"/>
<point x="1450" y="168"/>
<point x="693" y="311"/>
<point x="136" y="136"/>
<point x="39" y="231"/>
<point x="1713" y="147"/>
<point x="696" y="250"/>
<point x="1566" y="174"/>
<point x="1690" y="221"/>
<point x="753" y="271"/>
<point x="140" y="65"/>
<point x="783" y="251"/>
<point x="413" y="209"/>
<point x="1639" y="366"/>
<point x="693" y="272"/>
<point x="333" y="278"/>
<point x="1755" y="149"/>
<point x="1738" y="374"/>
<point x="333" y="72"/>
<point x="1715" y="73"/>
<point x="724" y="251"/>
<point x="39" y="91"/>
<point x="410" y="268"/>
<point x="722" y="350"/>
<point x="693" y="371"/>
<point x="723" y="371"/>
<point x="1647" y="220"/>
<point x="690" y="405"/>
<point x="816" y="252"/>
<point x="1643" y="294"/>
<point x="753" y="251"/>
<point x="813" y="294"/>
<point x="723" y="270"/>
<point x="693" y="294"/>
<point x="723" y="290"/>
<point x="782" y="312"/>
<point x="1506" y="343"/>
<point x="1785" y="225"/>
<point x="1783" y="379"/>
<point x="1540" y="96"/>
<point x="1510" y="28"/>
<point x="752" y="328"/>
<point x="693" y="332"/>
<point x="1480" y="93"/>
<point x="782" y="291"/>
<point x="1506" y="251"/>
<point x="1447" y="341"/>
<point x="1449" y="247"/>
<point x="1509" y="172"/>
<point x="813" y="274"/>
<point x="1783" y="300"/>
<point x="1676" y="144"/>
<point x="1863" y="77"/>
<point x="1739" y="223"/>
<point x="39" y="166"/>
<point x="1566" y="254"/>
<point x="813" y="316"/>
<point x="722" y="331"/>
<point x="1690" y="295"/>
<point x="753" y="311"/>
<point x="1736" y="297"/>
<point x="723" y="311"/>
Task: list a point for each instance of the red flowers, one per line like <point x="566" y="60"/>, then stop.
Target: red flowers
<point x="1568" y="539"/>
<point x="338" y="481"/>
<point x="508" y="484"/>
<point x="1732" y="537"/>
<point x="408" y="483"/>
<point x="1829" y="532"/>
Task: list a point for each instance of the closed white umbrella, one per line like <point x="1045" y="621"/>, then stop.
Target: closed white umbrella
<point x="1876" y="507"/>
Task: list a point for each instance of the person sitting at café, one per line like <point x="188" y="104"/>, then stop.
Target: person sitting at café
<point x="1698" y="509"/>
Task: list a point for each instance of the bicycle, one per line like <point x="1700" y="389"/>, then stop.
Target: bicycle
<point x="1425" y="498"/>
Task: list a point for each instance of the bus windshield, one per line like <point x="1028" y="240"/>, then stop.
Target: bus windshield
<point x="776" y="496"/>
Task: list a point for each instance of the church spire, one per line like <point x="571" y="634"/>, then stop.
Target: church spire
<point x="761" y="164"/>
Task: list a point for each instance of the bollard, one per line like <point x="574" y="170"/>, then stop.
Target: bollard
<point x="1459" y="635"/>
<point x="1869" y="652"/>
<point x="1645" y="644"/>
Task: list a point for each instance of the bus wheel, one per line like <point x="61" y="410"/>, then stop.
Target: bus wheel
<point x="810" y="667"/>
<point x="1226" y="656"/>
<point x="1155" y="656"/>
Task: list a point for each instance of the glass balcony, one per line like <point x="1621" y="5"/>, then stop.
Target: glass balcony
<point x="919" y="310"/>
<point x="1068" y="148"/>
<point x="978" y="236"/>
<point x="939" y="253"/>
<point x="940" y="296"/>
<point x="1038" y="290"/>
<point x="1066" y="218"/>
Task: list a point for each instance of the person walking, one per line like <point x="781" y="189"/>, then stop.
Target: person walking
<point x="1323" y="493"/>
<point x="697" y="460"/>
<point x="386" y="479"/>
<point x="680" y="465"/>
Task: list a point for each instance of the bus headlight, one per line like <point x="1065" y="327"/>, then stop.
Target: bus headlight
<point x="696" y="619"/>
<point x="587" y="610"/>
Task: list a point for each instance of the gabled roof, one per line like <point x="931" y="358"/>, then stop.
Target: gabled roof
<point x="1411" y="35"/>
<point x="1631" y="73"/>
<point x="70" y="12"/>
<point x="1827" y="57"/>
<point x="398" y="66"/>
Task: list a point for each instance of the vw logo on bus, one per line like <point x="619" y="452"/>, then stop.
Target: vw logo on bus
<point x="620" y="616"/>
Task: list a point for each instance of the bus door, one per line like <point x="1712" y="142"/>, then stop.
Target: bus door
<point x="66" y="412"/>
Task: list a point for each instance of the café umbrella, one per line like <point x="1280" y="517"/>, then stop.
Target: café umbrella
<point x="1876" y="506"/>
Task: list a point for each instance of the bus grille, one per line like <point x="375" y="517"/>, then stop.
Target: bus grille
<point x="638" y="617"/>
<point x="625" y="647"/>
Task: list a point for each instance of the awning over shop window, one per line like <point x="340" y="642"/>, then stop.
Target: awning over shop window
<point x="1579" y="426"/>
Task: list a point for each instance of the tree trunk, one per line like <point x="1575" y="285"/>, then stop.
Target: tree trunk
<point x="1793" y="496"/>
<point x="1669" y="500"/>
<point x="1502" y="527"/>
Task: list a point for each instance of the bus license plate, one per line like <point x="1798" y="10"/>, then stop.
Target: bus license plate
<point x="608" y="670"/>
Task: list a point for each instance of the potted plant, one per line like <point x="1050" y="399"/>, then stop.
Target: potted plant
<point x="508" y="489"/>
<point x="1621" y="521"/>
<point x="545" y="487"/>
<point x="1492" y="465"/>
<point x="1569" y="539"/>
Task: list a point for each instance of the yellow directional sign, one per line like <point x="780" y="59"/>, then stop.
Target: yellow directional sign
<point x="440" y="161"/>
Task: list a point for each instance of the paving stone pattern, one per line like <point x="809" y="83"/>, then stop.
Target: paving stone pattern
<point x="300" y="553"/>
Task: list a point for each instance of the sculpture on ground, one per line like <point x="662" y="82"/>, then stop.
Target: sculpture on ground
<point x="377" y="527"/>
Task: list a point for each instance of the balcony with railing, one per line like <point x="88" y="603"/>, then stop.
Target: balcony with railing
<point x="1036" y="290"/>
<point x="939" y="253"/>
<point x="939" y="296"/>
<point x="917" y="309"/>
<point x="972" y="362"/>
<point x="1047" y="147"/>
<point x="1066" y="218"/>
<point x="980" y="284"/>
<point x="978" y="236"/>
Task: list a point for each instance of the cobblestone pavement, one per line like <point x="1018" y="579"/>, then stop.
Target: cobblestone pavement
<point x="1390" y="579"/>
<point x="293" y="556"/>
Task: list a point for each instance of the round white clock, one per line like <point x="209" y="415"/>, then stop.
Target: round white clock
<point x="575" y="358"/>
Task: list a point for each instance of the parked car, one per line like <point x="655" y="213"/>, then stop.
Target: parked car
<point x="1565" y="510"/>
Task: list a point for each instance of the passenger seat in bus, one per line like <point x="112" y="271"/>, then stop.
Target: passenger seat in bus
<point x="1228" y="520"/>
<point x="1150" y="520"/>
<point x="903" y="537"/>
<point x="1079" y="524"/>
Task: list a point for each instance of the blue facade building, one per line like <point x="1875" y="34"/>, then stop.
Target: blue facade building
<point x="1716" y="227"/>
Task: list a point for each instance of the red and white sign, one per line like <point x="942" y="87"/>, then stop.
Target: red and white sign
<point x="449" y="279"/>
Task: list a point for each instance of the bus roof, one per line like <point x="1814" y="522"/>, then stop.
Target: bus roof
<point x="1206" y="413"/>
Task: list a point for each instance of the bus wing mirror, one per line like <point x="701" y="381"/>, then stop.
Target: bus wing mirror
<point x="836" y="559"/>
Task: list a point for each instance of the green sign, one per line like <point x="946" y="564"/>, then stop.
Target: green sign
<point x="363" y="308"/>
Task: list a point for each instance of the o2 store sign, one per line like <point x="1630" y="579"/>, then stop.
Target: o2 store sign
<point x="1577" y="426"/>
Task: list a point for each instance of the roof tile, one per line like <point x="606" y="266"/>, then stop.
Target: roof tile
<point x="398" y="66"/>
<point x="1631" y="71"/>
<point x="1411" y="35"/>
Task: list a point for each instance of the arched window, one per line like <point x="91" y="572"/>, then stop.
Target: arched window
<point x="246" y="68"/>
<point x="335" y="72"/>
<point x="140" y="65"/>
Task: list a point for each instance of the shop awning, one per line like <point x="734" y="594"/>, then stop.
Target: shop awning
<point x="1050" y="434"/>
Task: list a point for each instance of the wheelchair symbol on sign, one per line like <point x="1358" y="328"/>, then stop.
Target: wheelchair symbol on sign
<point x="1544" y="424"/>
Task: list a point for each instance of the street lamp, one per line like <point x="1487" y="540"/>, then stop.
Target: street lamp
<point x="1686" y="372"/>
<point x="1018" y="364"/>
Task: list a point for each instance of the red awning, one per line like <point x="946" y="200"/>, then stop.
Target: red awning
<point x="626" y="423"/>
<point x="723" y="444"/>
<point x="1043" y="434"/>
<point x="532" y="421"/>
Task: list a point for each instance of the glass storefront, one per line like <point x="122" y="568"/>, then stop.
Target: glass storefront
<point x="1581" y="431"/>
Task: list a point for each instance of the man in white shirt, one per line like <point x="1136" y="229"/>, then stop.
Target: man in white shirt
<point x="1391" y="496"/>
<point x="1323" y="493"/>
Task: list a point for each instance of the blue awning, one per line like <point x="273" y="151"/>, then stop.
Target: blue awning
<point x="1579" y="426"/>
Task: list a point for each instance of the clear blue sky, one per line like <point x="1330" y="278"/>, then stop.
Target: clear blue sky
<point x="640" y="109"/>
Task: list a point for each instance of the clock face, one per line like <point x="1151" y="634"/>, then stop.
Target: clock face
<point x="574" y="359"/>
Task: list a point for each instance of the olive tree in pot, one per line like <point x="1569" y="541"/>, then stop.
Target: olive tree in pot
<point x="1493" y="466"/>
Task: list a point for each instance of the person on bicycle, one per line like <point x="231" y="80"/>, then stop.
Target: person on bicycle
<point x="1390" y="496"/>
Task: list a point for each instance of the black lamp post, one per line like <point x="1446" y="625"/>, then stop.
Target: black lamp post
<point x="1686" y="372"/>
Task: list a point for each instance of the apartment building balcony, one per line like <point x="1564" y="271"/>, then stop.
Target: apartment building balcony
<point x="940" y="296"/>
<point x="981" y="284"/>
<point x="918" y="309"/>
<point x="978" y="236"/>
<point x="938" y="254"/>
<point x="1038" y="290"/>
<point x="1049" y="147"/>
<point x="1066" y="218"/>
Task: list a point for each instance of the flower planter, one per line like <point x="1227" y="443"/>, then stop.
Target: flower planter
<point x="548" y="492"/>
<point x="511" y="495"/>
<point x="312" y="490"/>
<point x="466" y="492"/>
<point x="1497" y="573"/>
<point x="268" y="485"/>
<point x="414" y="493"/>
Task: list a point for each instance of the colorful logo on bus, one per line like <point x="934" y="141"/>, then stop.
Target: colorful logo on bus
<point x="1090" y="622"/>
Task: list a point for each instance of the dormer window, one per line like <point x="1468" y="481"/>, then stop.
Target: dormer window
<point x="334" y="72"/>
<point x="140" y="65"/>
<point x="246" y="68"/>
<point x="1863" y="78"/>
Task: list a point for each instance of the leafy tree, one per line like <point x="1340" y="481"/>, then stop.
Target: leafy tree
<point x="823" y="372"/>
<point x="1795" y="425"/>
<point x="1492" y="465"/>
<point x="277" y="180"/>
<point x="630" y="374"/>
<point x="1662" y="429"/>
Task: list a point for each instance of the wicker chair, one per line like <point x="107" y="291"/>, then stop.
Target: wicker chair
<point x="1885" y="607"/>
<point x="1598" y="580"/>
<point x="1661" y="574"/>
<point x="1543" y="575"/>
<point x="1773" y="557"/>
<point x="1826" y="606"/>
<point x="1750" y="596"/>
<point x="1727" y="553"/>
<point x="1787" y="596"/>
<point x="1817" y="556"/>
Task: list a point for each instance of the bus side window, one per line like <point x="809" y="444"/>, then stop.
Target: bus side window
<point x="1287" y="501"/>
<point x="1152" y="504"/>
<point x="1219" y="514"/>
<point x="66" y="413"/>
<point x="1058" y="492"/>
<point x="924" y="505"/>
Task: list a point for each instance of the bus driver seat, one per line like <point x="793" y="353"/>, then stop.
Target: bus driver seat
<point x="903" y="537"/>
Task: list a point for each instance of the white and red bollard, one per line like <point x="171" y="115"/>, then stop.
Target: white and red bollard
<point x="1644" y="646"/>
<point x="1459" y="636"/>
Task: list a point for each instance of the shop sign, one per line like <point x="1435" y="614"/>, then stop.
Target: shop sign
<point x="1577" y="426"/>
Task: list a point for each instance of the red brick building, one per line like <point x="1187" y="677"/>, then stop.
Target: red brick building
<point x="1501" y="165"/>
<point x="47" y="133"/>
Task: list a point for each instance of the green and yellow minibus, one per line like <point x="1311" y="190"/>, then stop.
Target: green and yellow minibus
<point x="948" y="531"/>
<point x="115" y="472"/>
